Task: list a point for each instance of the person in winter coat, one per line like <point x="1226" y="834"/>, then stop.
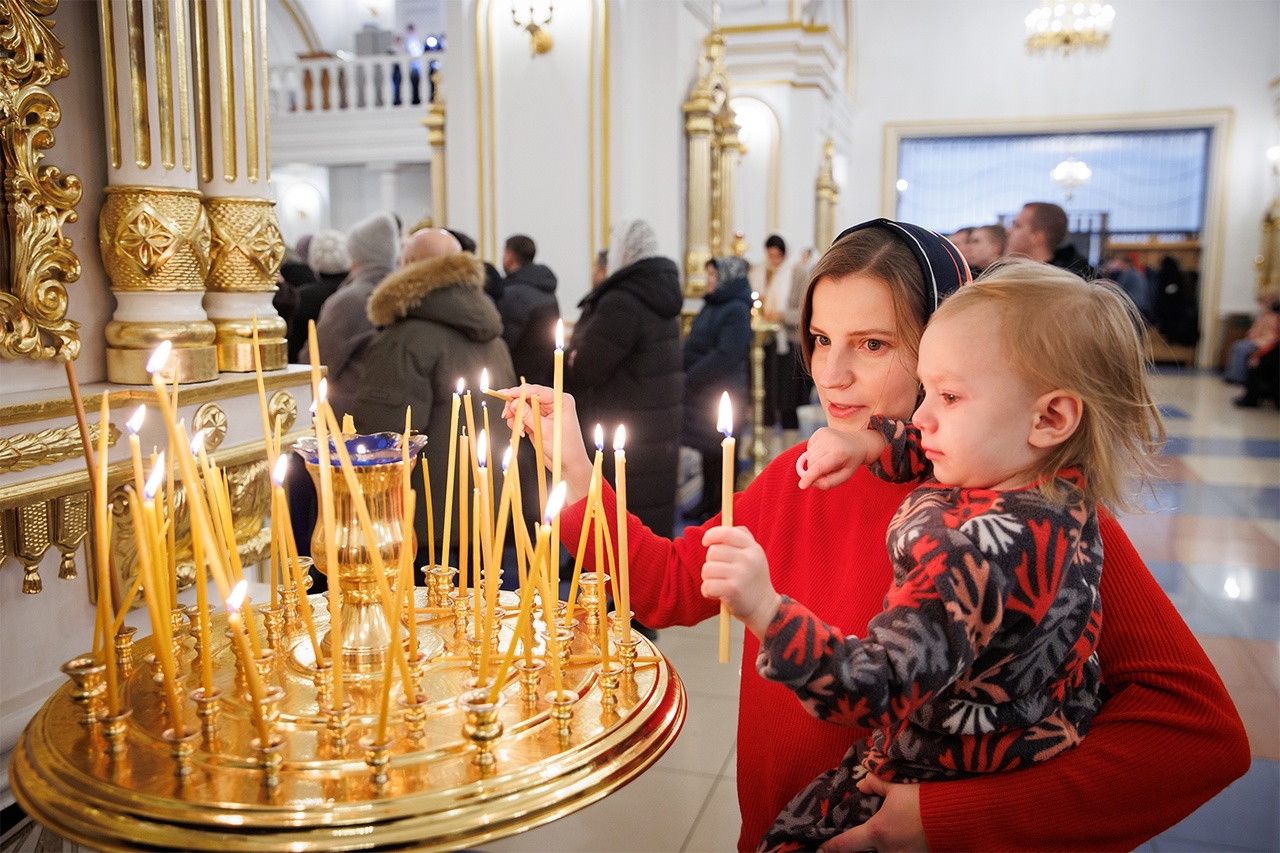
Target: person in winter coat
<point x="529" y="310"/>
<point x="623" y="367"/>
<point x="328" y="259"/>
<point x="715" y="360"/>
<point x="435" y="326"/>
<point x="343" y="330"/>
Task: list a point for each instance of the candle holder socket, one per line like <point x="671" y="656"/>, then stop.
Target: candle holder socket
<point x="124" y="650"/>
<point x="608" y="678"/>
<point x="181" y="747"/>
<point x="415" y="714"/>
<point x="89" y="686"/>
<point x="562" y="712"/>
<point x="337" y="721"/>
<point x="178" y="632"/>
<point x="439" y="585"/>
<point x="590" y="600"/>
<point x="207" y="710"/>
<point x="530" y="678"/>
<point x="627" y="650"/>
<point x="273" y="619"/>
<point x="115" y="730"/>
<point x="269" y="758"/>
<point x="482" y="726"/>
<point x="322" y="678"/>
<point x="378" y="757"/>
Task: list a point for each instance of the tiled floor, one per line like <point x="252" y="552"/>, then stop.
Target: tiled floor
<point x="1213" y="542"/>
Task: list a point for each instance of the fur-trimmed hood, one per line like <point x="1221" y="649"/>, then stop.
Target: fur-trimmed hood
<point x="403" y="291"/>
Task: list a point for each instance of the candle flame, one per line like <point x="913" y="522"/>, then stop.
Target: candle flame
<point x="462" y="386"/>
<point x="725" y="423"/>
<point x="506" y="460"/>
<point x="153" y="482"/>
<point x="482" y="449"/>
<point x="159" y="358"/>
<point x="282" y="468"/>
<point x="197" y="443"/>
<point x="484" y="379"/>
<point x="599" y="437"/>
<point x="236" y="597"/>
<point x="620" y="437"/>
<point x="134" y="423"/>
<point x="313" y="408"/>
<point x="560" y="334"/>
<point x="554" y="501"/>
<point x="322" y="391"/>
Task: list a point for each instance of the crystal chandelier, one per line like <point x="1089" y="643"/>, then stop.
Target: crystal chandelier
<point x="1071" y="173"/>
<point x="1067" y="26"/>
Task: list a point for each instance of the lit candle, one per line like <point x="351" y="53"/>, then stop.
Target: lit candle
<point x="160" y="624"/>
<point x="281" y="505"/>
<point x="102" y="539"/>
<point x="233" y="603"/>
<point x="557" y="420"/>
<point x="603" y="604"/>
<point x="431" y="513"/>
<point x="593" y="498"/>
<point x="486" y="546"/>
<point x="620" y="477"/>
<point x="729" y="464"/>
<point x="542" y="568"/>
<point x="477" y="521"/>
<point x="134" y="426"/>
<point x="448" y="483"/>
<point x="471" y="432"/>
<point x="538" y="454"/>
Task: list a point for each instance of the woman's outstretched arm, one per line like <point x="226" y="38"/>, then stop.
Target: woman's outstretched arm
<point x="575" y="466"/>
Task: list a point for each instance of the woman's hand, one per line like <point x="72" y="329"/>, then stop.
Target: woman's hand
<point x="737" y="573"/>
<point x="896" y="827"/>
<point x="575" y="466"/>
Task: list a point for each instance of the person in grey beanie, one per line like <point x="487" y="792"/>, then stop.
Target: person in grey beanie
<point x="328" y="259"/>
<point x="343" y="331"/>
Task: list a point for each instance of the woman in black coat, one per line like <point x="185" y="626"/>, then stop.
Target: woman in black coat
<point x="715" y="361"/>
<point x="623" y="367"/>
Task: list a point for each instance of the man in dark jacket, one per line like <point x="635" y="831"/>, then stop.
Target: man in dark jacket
<point x="623" y="366"/>
<point x="1038" y="232"/>
<point x="435" y="326"/>
<point x="529" y="310"/>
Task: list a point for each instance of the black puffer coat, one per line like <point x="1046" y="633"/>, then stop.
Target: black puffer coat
<point x="716" y="359"/>
<point x="623" y="367"/>
<point x="529" y="312"/>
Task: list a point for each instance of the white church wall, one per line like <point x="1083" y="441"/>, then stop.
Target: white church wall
<point x="941" y="61"/>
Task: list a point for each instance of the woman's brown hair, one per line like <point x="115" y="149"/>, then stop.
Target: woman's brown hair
<point x="877" y="253"/>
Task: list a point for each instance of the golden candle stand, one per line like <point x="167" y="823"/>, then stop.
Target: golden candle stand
<point x="445" y="777"/>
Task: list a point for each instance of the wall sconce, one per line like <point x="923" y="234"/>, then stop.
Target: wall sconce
<point x="540" y="40"/>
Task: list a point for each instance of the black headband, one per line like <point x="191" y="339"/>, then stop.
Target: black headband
<point x="944" y="268"/>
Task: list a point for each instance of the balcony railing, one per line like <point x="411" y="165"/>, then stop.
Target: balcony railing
<point x="365" y="83"/>
<point x="329" y="111"/>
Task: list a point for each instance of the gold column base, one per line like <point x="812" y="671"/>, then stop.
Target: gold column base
<point x="235" y="344"/>
<point x="191" y="364"/>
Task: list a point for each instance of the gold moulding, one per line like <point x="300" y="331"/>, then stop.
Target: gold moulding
<point x="235" y="343"/>
<point x="247" y="246"/>
<point x="153" y="238"/>
<point x="31" y="450"/>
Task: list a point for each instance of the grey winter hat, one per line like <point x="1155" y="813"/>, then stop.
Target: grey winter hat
<point x="328" y="252"/>
<point x="373" y="242"/>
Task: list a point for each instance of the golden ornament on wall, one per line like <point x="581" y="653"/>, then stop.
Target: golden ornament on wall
<point x="282" y="410"/>
<point x="154" y="238"/>
<point x="38" y="200"/>
<point x="20" y="452"/>
<point x="212" y="421"/>
<point x="246" y="245"/>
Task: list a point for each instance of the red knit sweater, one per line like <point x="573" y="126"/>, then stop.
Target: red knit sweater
<point x="1169" y="712"/>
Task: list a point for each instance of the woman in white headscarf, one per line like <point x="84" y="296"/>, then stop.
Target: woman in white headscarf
<point x="624" y="367"/>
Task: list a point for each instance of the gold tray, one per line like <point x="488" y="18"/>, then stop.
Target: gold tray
<point x="435" y="797"/>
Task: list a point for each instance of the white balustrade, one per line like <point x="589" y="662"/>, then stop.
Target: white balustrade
<point x="366" y="83"/>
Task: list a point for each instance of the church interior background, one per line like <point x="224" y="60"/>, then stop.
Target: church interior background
<point x="719" y="123"/>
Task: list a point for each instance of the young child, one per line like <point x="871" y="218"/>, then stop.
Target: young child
<point x="1035" y="410"/>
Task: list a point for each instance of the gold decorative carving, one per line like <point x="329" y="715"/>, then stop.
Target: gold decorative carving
<point x="38" y="200"/>
<point x="154" y="238"/>
<point x="282" y="408"/>
<point x="247" y="247"/>
<point x="70" y="526"/>
<point x="47" y="447"/>
<point x="828" y="197"/>
<point x="32" y="528"/>
<point x="213" y="421"/>
<point x="6" y="535"/>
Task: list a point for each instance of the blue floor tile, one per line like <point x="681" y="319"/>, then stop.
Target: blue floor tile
<point x="1254" y="448"/>
<point x="1245" y="816"/>
<point x="1172" y="413"/>
<point x="1213" y="500"/>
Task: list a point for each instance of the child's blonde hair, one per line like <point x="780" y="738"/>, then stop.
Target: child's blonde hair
<point x="1059" y="331"/>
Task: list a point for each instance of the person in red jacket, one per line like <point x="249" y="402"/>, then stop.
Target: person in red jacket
<point x="1166" y="709"/>
<point x="983" y="660"/>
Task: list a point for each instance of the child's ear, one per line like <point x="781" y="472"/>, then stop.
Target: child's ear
<point x="1055" y="418"/>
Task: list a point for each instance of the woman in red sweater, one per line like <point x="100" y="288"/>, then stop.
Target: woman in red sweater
<point x="1167" y="724"/>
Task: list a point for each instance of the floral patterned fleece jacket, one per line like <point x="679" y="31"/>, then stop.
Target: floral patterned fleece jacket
<point x="983" y="658"/>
